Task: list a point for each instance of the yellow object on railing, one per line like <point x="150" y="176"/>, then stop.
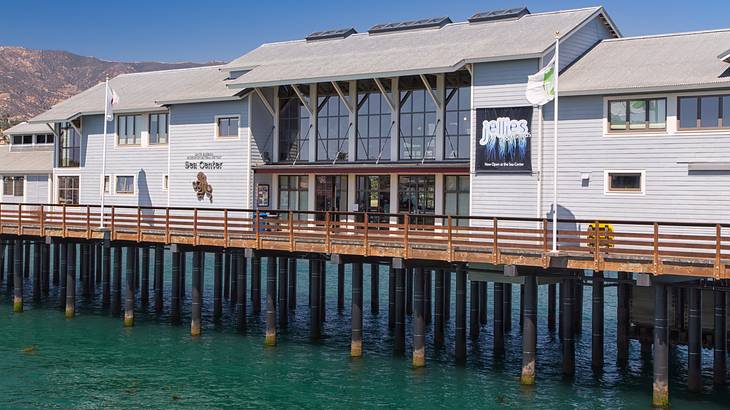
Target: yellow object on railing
<point x="605" y="234"/>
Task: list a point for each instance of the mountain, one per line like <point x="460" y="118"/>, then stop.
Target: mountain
<point x="31" y="81"/>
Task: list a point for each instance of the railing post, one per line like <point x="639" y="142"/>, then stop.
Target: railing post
<point x="88" y="222"/>
<point x="718" y="251"/>
<point x="195" y="227"/>
<point x="257" y="227"/>
<point x="63" y="221"/>
<point x="290" y="216"/>
<point x="366" y="239"/>
<point x="495" y="241"/>
<point x="597" y="244"/>
<point x="327" y="238"/>
<point x="450" y="239"/>
<point x="113" y="221"/>
<point x="406" y="228"/>
<point x="225" y="228"/>
<point x="42" y="217"/>
<point x="168" y="236"/>
<point x="20" y="219"/>
<point x="545" y="245"/>
<point x="656" y="249"/>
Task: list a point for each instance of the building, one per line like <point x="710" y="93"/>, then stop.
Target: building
<point x="25" y="164"/>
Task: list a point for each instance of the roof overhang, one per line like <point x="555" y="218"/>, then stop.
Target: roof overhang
<point x="236" y="97"/>
<point x="97" y="112"/>
<point x="646" y="90"/>
<point x="365" y="168"/>
<point x="725" y="57"/>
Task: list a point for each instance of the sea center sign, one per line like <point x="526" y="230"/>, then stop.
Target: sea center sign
<point x="503" y="140"/>
<point x="204" y="161"/>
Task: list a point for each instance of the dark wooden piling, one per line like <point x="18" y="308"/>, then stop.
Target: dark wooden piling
<point x="183" y="274"/>
<point x="130" y="274"/>
<point x="323" y="291"/>
<point x="117" y="281"/>
<point x="99" y="262"/>
<point x="10" y="261"/>
<point x="529" y="330"/>
<point x="63" y="266"/>
<point x="56" y="262"/>
<point x="578" y="305"/>
<point x="227" y="274"/>
<point x="507" y="312"/>
<point x="2" y="261"/>
<point x="622" y="319"/>
<point x="105" y="273"/>
<point x="92" y="268"/>
<point x="26" y="259"/>
<point x="45" y="269"/>
<point x="522" y="305"/>
<point x="660" y="391"/>
<point x="36" y="272"/>
<point x="551" y="307"/>
<point x="438" y="309"/>
<point x="217" y="286"/>
<point x="84" y="268"/>
<point x="409" y="291"/>
<point x="18" y="277"/>
<point x="447" y="295"/>
<point x="567" y="335"/>
<point x="315" y="318"/>
<point x="159" y="279"/>
<point x="292" y="281"/>
<point x="340" y="287"/>
<point x="597" y="325"/>
<point x="694" y="341"/>
<point x="283" y="287"/>
<point x="175" y="286"/>
<point x="256" y="284"/>
<point x="241" y="292"/>
<point x="460" y="337"/>
<point x="391" y="298"/>
<point x="483" y="300"/>
<point x="197" y="293"/>
<point x="270" y="337"/>
<point x="374" y="288"/>
<point x="144" y="293"/>
<point x="427" y="296"/>
<point x="719" y="364"/>
<point x="419" y="321"/>
<point x="71" y="281"/>
<point x="498" y="320"/>
<point x="474" y="309"/>
<point x="236" y="261"/>
<point x="399" y="346"/>
<point x="356" y="313"/>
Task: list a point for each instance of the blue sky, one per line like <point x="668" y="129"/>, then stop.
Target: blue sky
<point x="205" y="30"/>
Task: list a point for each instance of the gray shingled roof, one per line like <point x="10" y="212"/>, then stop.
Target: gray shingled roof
<point x="401" y="53"/>
<point x="674" y="61"/>
<point x="26" y="128"/>
<point x="25" y="161"/>
<point x="145" y="91"/>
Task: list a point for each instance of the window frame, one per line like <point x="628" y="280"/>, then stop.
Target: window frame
<point x="69" y="156"/>
<point x="137" y="138"/>
<point x="460" y="189"/>
<point x="698" y="120"/>
<point x="298" y="192"/>
<point x="105" y="184"/>
<point x="116" y="184"/>
<point x="607" y="190"/>
<point x="13" y="182"/>
<point x="165" y="182"/>
<point x="217" y="126"/>
<point x="156" y="132"/>
<point x="65" y="188"/>
<point x="628" y="129"/>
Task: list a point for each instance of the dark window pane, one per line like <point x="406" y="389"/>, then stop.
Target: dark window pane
<point x="710" y="107"/>
<point x="624" y="182"/>
<point x="637" y="114"/>
<point x="726" y="111"/>
<point x="688" y="112"/>
<point x="617" y="115"/>
<point x="658" y="113"/>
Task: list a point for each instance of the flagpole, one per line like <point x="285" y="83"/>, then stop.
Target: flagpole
<point x="103" y="153"/>
<point x="555" y="145"/>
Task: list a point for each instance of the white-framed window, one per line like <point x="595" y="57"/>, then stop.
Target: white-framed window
<point x="105" y="184"/>
<point x="158" y="126"/>
<point x="226" y="126"/>
<point x="637" y="115"/>
<point x="13" y="186"/>
<point x="124" y="185"/>
<point x="624" y="182"/>
<point x="44" y="139"/>
<point x="165" y="182"/>
<point x="129" y="129"/>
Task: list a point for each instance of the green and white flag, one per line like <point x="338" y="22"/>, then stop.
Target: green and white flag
<point x="541" y="85"/>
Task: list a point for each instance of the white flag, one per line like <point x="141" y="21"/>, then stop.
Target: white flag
<point x="541" y="85"/>
<point x="111" y="99"/>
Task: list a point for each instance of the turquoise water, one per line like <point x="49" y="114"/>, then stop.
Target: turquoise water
<point x="92" y="361"/>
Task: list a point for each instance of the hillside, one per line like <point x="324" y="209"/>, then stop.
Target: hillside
<point x="31" y="81"/>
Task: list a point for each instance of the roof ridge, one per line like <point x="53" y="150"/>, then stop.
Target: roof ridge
<point x="171" y="70"/>
<point x="663" y="35"/>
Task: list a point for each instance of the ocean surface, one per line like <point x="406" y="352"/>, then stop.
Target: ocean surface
<point x="92" y="361"/>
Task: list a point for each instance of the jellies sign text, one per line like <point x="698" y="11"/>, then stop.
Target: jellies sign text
<point x="503" y="139"/>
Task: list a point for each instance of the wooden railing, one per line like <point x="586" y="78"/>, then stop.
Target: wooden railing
<point x="694" y="249"/>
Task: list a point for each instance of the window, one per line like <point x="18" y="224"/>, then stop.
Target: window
<point x="294" y="193"/>
<point x="417" y="125"/>
<point x="458" y="123"/>
<point x="372" y="194"/>
<point x="417" y="195"/>
<point x="330" y="194"/>
<point x="333" y="126"/>
<point x="158" y="129"/>
<point x="638" y="115"/>
<point x="69" y="155"/>
<point x="374" y="127"/>
<point x="44" y="139"/>
<point x="125" y="185"/>
<point x="704" y="112"/>
<point x="22" y="140"/>
<point x="68" y="190"/>
<point x="227" y="127"/>
<point x="456" y="197"/>
<point x="13" y="186"/>
<point x="624" y="181"/>
<point x="105" y="187"/>
<point x="165" y="182"/>
<point x="294" y="127"/>
<point x="129" y="129"/>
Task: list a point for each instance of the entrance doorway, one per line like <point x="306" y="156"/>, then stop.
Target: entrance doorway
<point x="330" y="194"/>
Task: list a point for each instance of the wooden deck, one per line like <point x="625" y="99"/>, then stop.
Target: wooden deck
<point x="660" y="248"/>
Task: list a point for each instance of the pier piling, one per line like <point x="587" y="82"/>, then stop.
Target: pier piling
<point x="660" y="392"/>
<point x="129" y="288"/>
<point x="567" y="335"/>
<point x="483" y="300"/>
<point x="197" y="294"/>
<point x="175" y="286"/>
<point x="694" y="341"/>
<point x="447" y="295"/>
<point x="236" y="261"/>
<point x="460" y="337"/>
<point x="578" y="304"/>
<point x="622" y="319"/>
<point x="283" y="287"/>
<point x="26" y="259"/>
<point x="241" y="292"/>
<point x="63" y="266"/>
<point x="71" y="281"/>
<point x="315" y="321"/>
<point x="400" y="311"/>
<point x="36" y="272"/>
<point x="159" y="280"/>
<point x="323" y="290"/>
<point x="256" y="284"/>
<point x="292" y="281"/>
<point x="270" y="337"/>
<point x="507" y="312"/>
<point x="529" y="330"/>
<point x="551" y="307"/>
<point x="56" y="262"/>
<point x="597" y="322"/>
<point x="391" y="298"/>
<point x="340" y="287"/>
<point x="217" y="285"/>
<point x="183" y="274"/>
<point x="105" y="273"/>
<point x="409" y="291"/>
<point x="84" y="269"/>
<point x="438" y="309"/>
<point x="45" y="268"/>
<point x="227" y="274"/>
<point x="18" y="278"/>
<point x="719" y="364"/>
<point x="419" y="322"/>
<point x="374" y="288"/>
<point x="427" y="296"/>
<point x="498" y="323"/>
<point x="356" y="313"/>
<point x="144" y="293"/>
<point x="117" y="281"/>
<point x="474" y="310"/>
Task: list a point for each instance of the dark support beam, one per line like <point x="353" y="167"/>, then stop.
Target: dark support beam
<point x="45" y="268"/>
<point x="409" y="291"/>
<point x="256" y="284"/>
<point x="438" y="309"/>
<point x="391" y="298"/>
<point x="694" y="341"/>
<point x="26" y="259"/>
<point x="36" y="272"/>
<point x="10" y="283"/>
<point x="84" y="259"/>
<point x="175" y="286"/>
<point x="460" y="337"/>
<point x="217" y="286"/>
<point x="2" y="260"/>
<point x="660" y="392"/>
<point x="62" y="266"/>
<point x="529" y="330"/>
<point x="447" y="295"/>
<point x="340" y="287"/>
<point x="99" y="262"/>
<point x="323" y="291"/>
<point x="283" y="291"/>
<point x="197" y="293"/>
<point x="106" y="274"/>
<point x="551" y="307"/>
<point x="622" y="319"/>
<point x="427" y="296"/>
<point x="227" y="274"/>
<point x="18" y="277"/>
<point x="241" y="308"/>
<point x="137" y="278"/>
<point x="400" y="311"/>
<point x="144" y="293"/>
<point x="71" y="281"/>
<point x="419" y="321"/>
<point x="159" y="280"/>
<point x="356" y="313"/>
<point x="315" y="323"/>
<point x="236" y="261"/>
<point x="292" y="299"/>
<point x="56" y="262"/>
<point x="474" y="310"/>
<point x="129" y="289"/>
<point x="374" y="288"/>
<point x="183" y="274"/>
<point x="498" y="320"/>
<point x="578" y="305"/>
<point x="567" y="334"/>
<point x="270" y="336"/>
<point x="719" y="364"/>
<point x="597" y="322"/>
<point x="117" y="282"/>
<point x="483" y="300"/>
<point x="522" y="305"/>
<point x="507" y="313"/>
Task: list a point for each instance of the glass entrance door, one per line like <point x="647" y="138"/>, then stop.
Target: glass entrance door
<point x="373" y="196"/>
<point x="330" y="194"/>
<point x="417" y="196"/>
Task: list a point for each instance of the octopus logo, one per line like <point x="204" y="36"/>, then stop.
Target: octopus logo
<point x="202" y="188"/>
